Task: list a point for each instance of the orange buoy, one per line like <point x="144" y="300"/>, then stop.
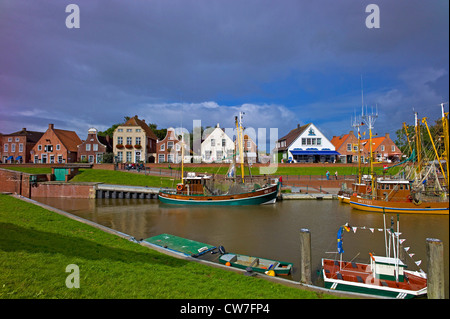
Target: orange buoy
<point x="228" y="263"/>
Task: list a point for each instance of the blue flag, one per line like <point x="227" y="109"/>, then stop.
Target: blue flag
<point x="339" y="241"/>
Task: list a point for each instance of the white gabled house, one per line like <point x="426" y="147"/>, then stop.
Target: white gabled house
<point x="217" y="147"/>
<point x="306" y="144"/>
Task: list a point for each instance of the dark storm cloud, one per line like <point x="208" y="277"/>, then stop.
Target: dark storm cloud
<point x="301" y="59"/>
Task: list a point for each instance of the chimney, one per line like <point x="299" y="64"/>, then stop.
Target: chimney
<point x="351" y="133"/>
<point x="50" y="126"/>
<point x="298" y="125"/>
<point x="387" y="135"/>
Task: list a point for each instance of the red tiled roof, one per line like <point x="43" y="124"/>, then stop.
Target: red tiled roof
<point x="337" y="141"/>
<point x="70" y="139"/>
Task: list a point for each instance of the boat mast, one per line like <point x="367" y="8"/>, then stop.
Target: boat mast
<point x="357" y="123"/>
<point x="370" y="119"/>
<point x="446" y="142"/>
<point x="424" y="121"/>
<point x="240" y="142"/>
<point x="418" y="143"/>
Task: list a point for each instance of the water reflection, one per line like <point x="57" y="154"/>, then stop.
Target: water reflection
<point x="270" y="231"/>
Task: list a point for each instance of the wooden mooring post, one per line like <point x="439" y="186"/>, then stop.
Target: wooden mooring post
<point x="305" y="256"/>
<point x="435" y="273"/>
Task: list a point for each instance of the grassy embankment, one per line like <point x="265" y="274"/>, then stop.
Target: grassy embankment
<point x="129" y="178"/>
<point x="36" y="246"/>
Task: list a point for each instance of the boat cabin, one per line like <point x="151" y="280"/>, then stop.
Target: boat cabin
<point x="193" y="184"/>
<point x="393" y="190"/>
<point x="387" y="268"/>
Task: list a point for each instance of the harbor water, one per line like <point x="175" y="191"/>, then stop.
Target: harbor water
<point x="269" y="231"/>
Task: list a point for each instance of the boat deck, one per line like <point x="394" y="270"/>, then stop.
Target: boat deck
<point x="362" y="273"/>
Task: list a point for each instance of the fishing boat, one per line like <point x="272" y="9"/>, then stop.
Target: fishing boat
<point x="260" y="265"/>
<point x="422" y="187"/>
<point x="385" y="276"/>
<point x="202" y="189"/>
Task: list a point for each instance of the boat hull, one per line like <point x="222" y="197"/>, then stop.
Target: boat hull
<point x="369" y="285"/>
<point x="261" y="265"/>
<point x="370" y="205"/>
<point x="267" y="195"/>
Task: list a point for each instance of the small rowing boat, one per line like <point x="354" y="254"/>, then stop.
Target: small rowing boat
<point x="256" y="264"/>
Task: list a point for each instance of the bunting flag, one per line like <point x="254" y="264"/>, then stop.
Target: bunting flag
<point x="390" y="232"/>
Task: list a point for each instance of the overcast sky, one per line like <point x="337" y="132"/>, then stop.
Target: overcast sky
<point x="171" y="62"/>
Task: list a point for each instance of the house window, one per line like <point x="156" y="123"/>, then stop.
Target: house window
<point x="219" y="155"/>
<point x="13" y="147"/>
<point x="88" y="147"/>
<point x="349" y="147"/>
<point x="169" y="145"/>
<point x="49" y="148"/>
<point x="170" y="158"/>
<point x="5" y="148"/>
<point x="83" y="157"/>
<point x="355" y="148"/>
<point x="161" y="158"/>
<point x="91" y="158"/>
<point x="95" y="147"/>
<point x="213" y="142"/>
<point x="120" y="130"/>
<point x="208" y="155"/>
<point x="162" y="147"/>
<point x="58" y="147"/>
<point x="129" y="140"/>
<point x="9" y="139"/>
<point x="303" y="141"/>
<point x="120" y="157"/>
<point x="382" y="148"/>
<point x="20" y="147"/>
<point x="319" y="141"/>
<point x="138" y="130"/>
<point x="39" y="147"/>
<point x="17" y="139"/>
<point x="129" y="130"/>
<point x="129" y="156"/>
<point x="224" y="142"/>
<point x="60" y="158"/>
<point x="36" y="159"/>
<point x="119" y="140"/>
<point x="178" y="147"/>
<point x="138" y="141"/>
<point x="393" y="148"/>
<point x="248" y="145"/>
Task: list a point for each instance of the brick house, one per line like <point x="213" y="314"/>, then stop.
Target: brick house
<point x="168" y="150"/>
<point x="347" y="146"/>
<point x="56" y="146"/>
<point x="134" y="141"/>
<point x="383" y="148"/>
<point x="94" y="147"/>
<point x="250" y="150"/>
<point x="16" y="147"/>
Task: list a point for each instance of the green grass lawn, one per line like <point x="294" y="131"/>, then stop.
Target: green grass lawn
<point x="36" y="246"/>
<point x="123" y="178"/>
